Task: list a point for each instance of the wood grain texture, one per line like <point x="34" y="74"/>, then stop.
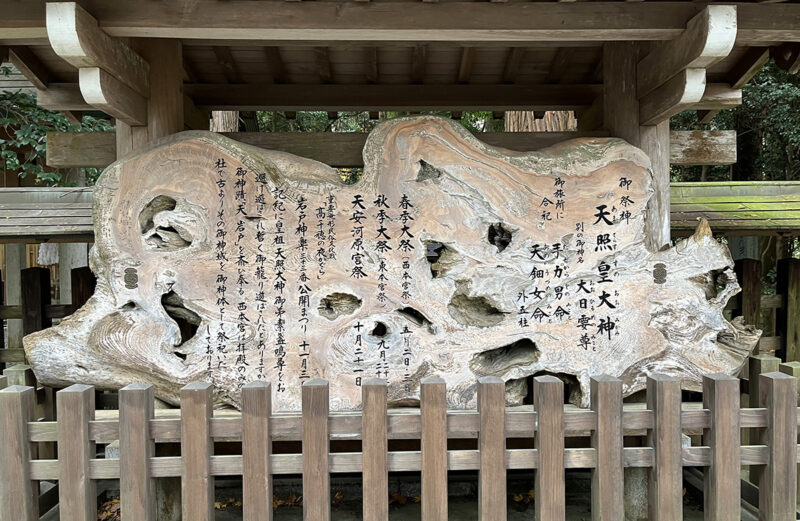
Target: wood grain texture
<point x="136" y="447"/>
<point x="133" y="192"/>
<point x="748" y="272"/>
<point x="316" y="471"/>
<point x="433" y="408"/>
<point x="77" y="492"/>
<point x="677" y="94"/>
<point x="607" y="440"/>
<point x="197" y="447"/>
<point x="375" y="447"/>
<point x="702" y="147"/>
<point x="722" y="490"/>
<point x="548" y="396"/>
<point x="257" y="451"/>
<point x="104" y="92"/>
<point x="19" y="495"/>
<point x="778" y="478"/>
<point x="492" y="446"/>
<point x="665" y="497"/>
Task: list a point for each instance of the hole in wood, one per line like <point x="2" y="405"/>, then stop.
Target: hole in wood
<point x="336" y="305"/>
<point x="380" y="330"/>
<point x="414" y="315"/>
<point x="161" y="203"/>
<point x="474" y="311"/>
<point x="427" y="171"/>
<point x="187" y="320"/>
<point x="499" y="236"/>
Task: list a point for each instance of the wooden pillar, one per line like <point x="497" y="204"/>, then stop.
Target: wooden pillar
<point x="165" y="105"/>
<point x="787" y="320"/>
<point x="621" y="118"/>
<point x="748" y="272"/>
<point x="15" y="263"/>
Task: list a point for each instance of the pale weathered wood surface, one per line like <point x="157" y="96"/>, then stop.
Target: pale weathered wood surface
<point x="492" y="274"/>
<point x="316" y="470"/>
<point x="77" y="492"/>
<point x="197" y="447"/>
<point x="433" y="408"/>
<point x="548" y="395"/>
<point x="374" y="448"/>
<point x="137" y="488"/>
<point x="257" y="451"/>
<point x="722" y="490"/>
<point x="19" y="494"/>
<point x="665" y="486"/>
<point x="607" y="440"/>
<point x="492" y="446"/>
<point x="778" y="478"/>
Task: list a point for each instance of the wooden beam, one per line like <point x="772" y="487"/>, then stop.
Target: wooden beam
<point x="787" y="56"/>
<point x="719" y="96"/>
<point x="76" y="37"/>
<point x="465" y="64"/>
<point x="709" y="37"/>
<point x="748" y="66"/>
<point x="560" y="64"/>
<point x="323" y="64"/>
<point x="702" y="147"/>
<point x="80" y="149"/>
<point x="511" y="68"/>
<point x="96" y="149"/>
<point x="30" y="66"/>
<point x="62" y="96"/>
<point x="104" y="92"/>
<point x="276" y="65"/>
<point x="227" y="64"/>
<point x="418" y="59"/>
<point x="443" y="21"/>
<point x="372" y="72"/>
<point x="681" y="92"/>
<point x="392" y="97"/>
<point x="524" y="23"/>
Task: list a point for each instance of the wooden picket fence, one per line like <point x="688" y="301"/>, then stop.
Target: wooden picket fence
<point x="197" y="426"/>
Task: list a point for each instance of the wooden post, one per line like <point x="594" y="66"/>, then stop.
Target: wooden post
<point x="787" y="319"/>
<point x="16" y="261"/>
<point x="548" y="396"/>
<point x="793" y="369"/>
<point x="721" y="485"/>
<point x="433" y="409"/>
<point x="197" y="493"/>
<point x="20" y="375"/>
<point x="748" y="271"/>
<point x="621" y="118"/>
<point x="316" y="441"/>
<point x="666" y="475"/>
<point x="83" y="284"/>
<point x="19" y="496"/>
<point x="77" y="492"/>
<point x="3" y="382"/>
<point x="2" y="325"/>
<point x="492" y="446"/>
<point x="778" y="478"/>
<point x="35" y="300"/>
<point x="757" y="365"/>
<point x="256" y="451"/>
<point x="137" y="488"/>
<point x="607" y="441"/>
<point x="375" y="449"/>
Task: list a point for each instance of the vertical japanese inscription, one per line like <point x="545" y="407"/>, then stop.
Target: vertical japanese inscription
<point x="221" y="257"/>
<point x="240" y="197"/>
<point x="303" y="290"/>
<point x="279" y="285"/>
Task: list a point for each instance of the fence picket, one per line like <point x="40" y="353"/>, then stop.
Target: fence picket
<point x="19" y="496"/>
<point x="77" y="493"/>
<point x="433" y="410"/>
<point x="492" y="446"/>
<point x="666" y="476"/>
<point x="721" y="482"/>
<point x="197" y="490"/>
<point x="3" y="382"/>
<point x="793" y="369"/>
<point x="137" y="493"/>
<point x="374" y="450"/>
<point x="316" y="441"/>
<point x="548" y="398"/>
<point x="778" y="478"/>
<point x="256" y="451"/>
<point x="607" y="441"/>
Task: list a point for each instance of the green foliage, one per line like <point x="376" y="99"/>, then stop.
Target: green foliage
<point x="22" y="147"/>
<point x="768" y="131"/>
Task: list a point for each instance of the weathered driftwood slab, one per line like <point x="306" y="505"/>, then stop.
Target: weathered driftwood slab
<point x="220" y="261"/>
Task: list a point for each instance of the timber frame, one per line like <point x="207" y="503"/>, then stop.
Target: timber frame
<point x="623" y="67"/>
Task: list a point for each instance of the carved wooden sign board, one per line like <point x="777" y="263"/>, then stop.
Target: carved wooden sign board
<point x="218" y="261"/>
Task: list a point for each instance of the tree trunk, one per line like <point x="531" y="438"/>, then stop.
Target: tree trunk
<point x="224" y="121"/>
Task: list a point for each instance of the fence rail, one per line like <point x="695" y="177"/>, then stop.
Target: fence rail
<point x="663" y="419"/>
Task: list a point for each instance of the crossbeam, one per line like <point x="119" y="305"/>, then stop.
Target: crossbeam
<point x="522" y="24"/>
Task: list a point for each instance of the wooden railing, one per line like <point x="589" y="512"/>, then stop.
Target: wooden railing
<point x="663" y="420"/>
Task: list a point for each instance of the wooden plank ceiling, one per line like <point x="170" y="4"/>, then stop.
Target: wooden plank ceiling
<point x="232" y="59"/>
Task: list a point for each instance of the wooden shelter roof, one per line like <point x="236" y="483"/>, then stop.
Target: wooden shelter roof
<point x="398" y="54"/>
